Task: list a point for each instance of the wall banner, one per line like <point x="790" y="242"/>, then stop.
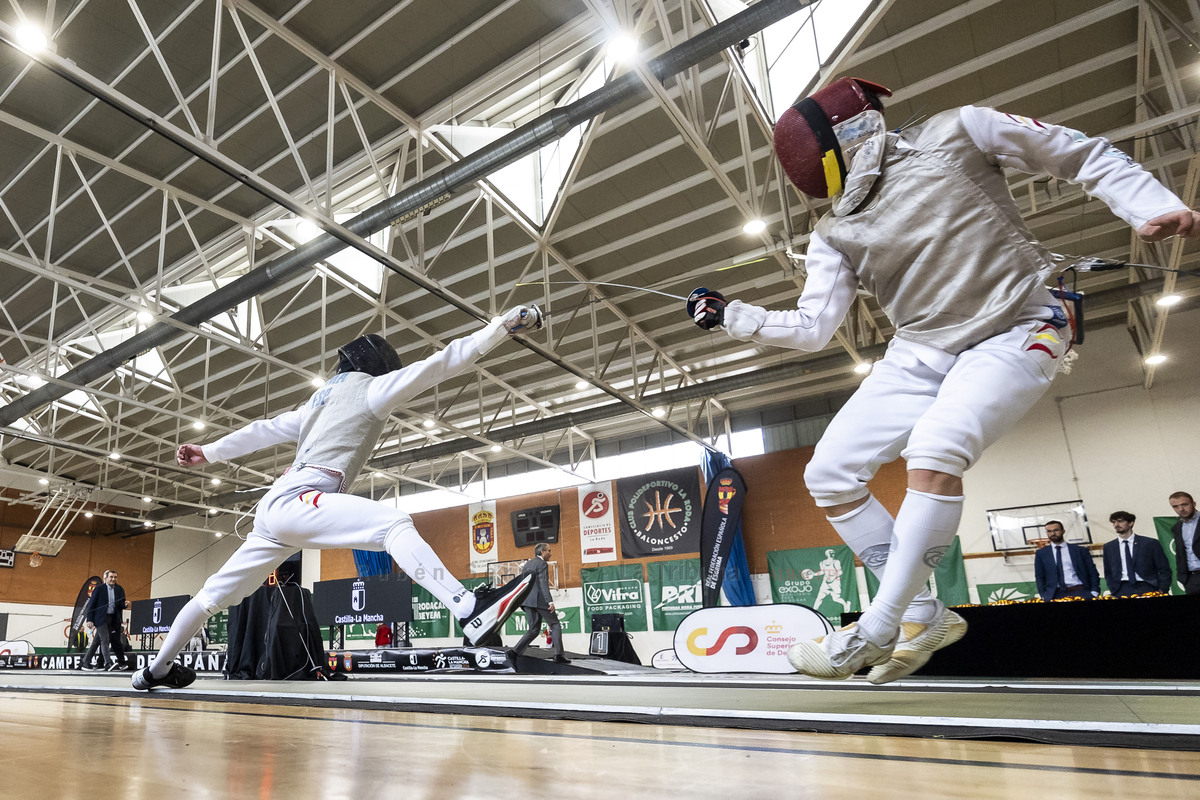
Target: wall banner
<point x="674" y="591"/>
<point x="995" y="592"/>
<point x="481" y="532"/>
<point x="597" y="525"/>
<point x="615" y="590"/>
<point x="660" y="513"/>
<point x="821" y="578"/>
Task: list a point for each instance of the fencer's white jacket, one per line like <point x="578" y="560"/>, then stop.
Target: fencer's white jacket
<point x="338" y="426"/>
<point x="939" y="240"/>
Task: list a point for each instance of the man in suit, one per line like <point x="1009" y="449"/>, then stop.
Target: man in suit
<point x="1134" y="564"/>
<point x="538" y="605"/>
<point x="1062" y="569"/>
<point x="106" y="609"/>
<point x="1187" y="543"/>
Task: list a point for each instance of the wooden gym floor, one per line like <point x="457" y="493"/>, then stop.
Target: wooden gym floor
<point x="157" y="746"/>
<point x="69" y="734"/>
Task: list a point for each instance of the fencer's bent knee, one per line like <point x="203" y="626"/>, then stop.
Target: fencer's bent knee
<point x="208" y="603"/>
<point x="831" y="482"/>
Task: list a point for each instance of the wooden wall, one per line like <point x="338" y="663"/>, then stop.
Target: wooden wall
<point x="779" y="515"/>
<point x="88" y="552"/>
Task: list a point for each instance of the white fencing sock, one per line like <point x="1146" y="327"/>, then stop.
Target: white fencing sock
<point x="867" y="530"/>
<point x="924" y="529"/>
<point x="187" y="623"/>
<point x="419" y="562"/>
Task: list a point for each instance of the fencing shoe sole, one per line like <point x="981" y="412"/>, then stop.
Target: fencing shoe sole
<point x="838" y="655"/>
<point x="917" y="643"/>
<point x="178" y="677"/>
<point x="492" y="607"/>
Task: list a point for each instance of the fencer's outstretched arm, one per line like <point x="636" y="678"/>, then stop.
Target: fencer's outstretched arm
<point x="828" y="293"/>
<point x="281" y="429"/>
<point x="1104" y="171"/>
<point x="386" y="392"/>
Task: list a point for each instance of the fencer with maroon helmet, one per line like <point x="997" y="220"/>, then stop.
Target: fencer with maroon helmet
<point x="811" y="137"/>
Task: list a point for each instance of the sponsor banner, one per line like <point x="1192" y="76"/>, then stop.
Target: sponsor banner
<point x="615" y="590"/>
<point x="666" y="659"/>
<point x="481" y="532"/>
<point x="218" y="627"/>
<point x="660" y="513"/>
<point x="570" y="618"/>
<point x="155" y="615"/>
<point x="597" y="525"/>
<point x="948" y="582"/>
<point x="8" y="558"/>
<point x="745" y="638"/>
<point x="420" y="659"/>
<point x="79" y="613"/>
<point x="1162" y="526"/>
<point x="719" y="527"/>
<point x="674" y="591"/>
<point x="997" y="592"/>
<point x="17" y="647"/>
<point x="364" y="601"/>
<point x="819" y="577"/>
<point x="206" y="661"/>
<point x="430" y="619"/>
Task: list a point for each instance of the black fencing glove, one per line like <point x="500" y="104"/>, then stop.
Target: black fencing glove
<point x="706" y="308"/>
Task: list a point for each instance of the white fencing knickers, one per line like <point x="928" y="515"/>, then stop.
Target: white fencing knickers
<point x="939" y="420"/>
<point x="304" y="510"/>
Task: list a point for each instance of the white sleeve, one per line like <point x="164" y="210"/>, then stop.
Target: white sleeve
<point x="827" y="295"/>
<point x="1102" y="170"/>
<point x="386" y="392"/>
<point x="280" y="429"/>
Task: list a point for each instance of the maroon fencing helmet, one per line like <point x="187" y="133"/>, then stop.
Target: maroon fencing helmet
<point x="805" y="142"/>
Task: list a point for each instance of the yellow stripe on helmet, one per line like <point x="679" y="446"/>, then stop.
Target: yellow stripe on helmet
<point x="833" y="172"/>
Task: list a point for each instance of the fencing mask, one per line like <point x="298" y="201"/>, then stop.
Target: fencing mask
<point x="811" y="135"/>
<point x="370" y="354"/>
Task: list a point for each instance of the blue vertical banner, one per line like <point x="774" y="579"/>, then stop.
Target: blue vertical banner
<point x="739" y="591"/>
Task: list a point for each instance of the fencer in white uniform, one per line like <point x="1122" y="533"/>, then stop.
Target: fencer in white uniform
<point x="923" y="219"/>
<point x="335" y="431"/>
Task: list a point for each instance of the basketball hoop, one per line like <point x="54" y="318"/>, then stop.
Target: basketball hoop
<point x="35" y="559"/>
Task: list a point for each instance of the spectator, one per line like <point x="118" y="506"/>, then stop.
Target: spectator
<point x="1062" y="569"/>
<point x="1187" y="544"/>
<point x="1134" y="564"/>
<point x="539" y="606"/>
<point x="383" y="635"/>
<point x="105" y="610"/>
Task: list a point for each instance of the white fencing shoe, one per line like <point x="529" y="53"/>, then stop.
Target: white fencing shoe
<point x="492" y="607"/>
<point x="917" y="643"/>
<point x="838" y="655"/>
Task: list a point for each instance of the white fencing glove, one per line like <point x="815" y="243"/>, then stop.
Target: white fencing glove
<point x="522" y="319"/>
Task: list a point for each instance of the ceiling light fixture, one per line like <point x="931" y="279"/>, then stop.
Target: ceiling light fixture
<point x="581" y="385"/>
<point x="145" y="317"/>
<point x="496" y="448"/>
<point x="1156" y="359"/>
<point x="1168" y="300"/>
<point x="658" y="412"/>
<point x="863" y="367"/>
<point x="88" y="514"/>
<point x="30" y="38"/>
<point x="428" y="423"/>
<point x="318" y="382"/>
<point x="212" y="511"/>
<point x="754" y="227"/>
<point x="198" y="425"/>
<point x="114" y="455"/>
<point x="147" y="499"/>
<point x="623" y="48"/>
<point x="44" y="481"/>
<point x="215" y="481"/>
